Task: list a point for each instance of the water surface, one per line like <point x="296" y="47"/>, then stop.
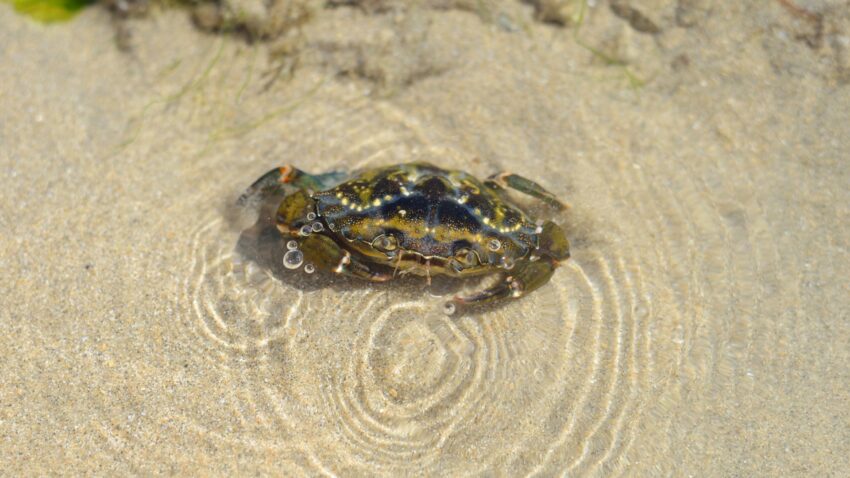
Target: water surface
<point x="699" y="328"/>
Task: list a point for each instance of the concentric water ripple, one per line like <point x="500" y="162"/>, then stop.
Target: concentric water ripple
<point x="234" y="311"/>
<point x="369" y="380"/>
<point x="381" y="379"/>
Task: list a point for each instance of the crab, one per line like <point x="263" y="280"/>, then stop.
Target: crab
<point x="381" y="223"/>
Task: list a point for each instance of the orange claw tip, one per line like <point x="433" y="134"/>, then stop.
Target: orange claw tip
<point x="285" y="174"/>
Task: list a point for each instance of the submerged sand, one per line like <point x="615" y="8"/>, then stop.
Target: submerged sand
<point x="701" y="327"/>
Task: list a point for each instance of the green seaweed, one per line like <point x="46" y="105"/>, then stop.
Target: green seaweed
<point x="49" y="11"/>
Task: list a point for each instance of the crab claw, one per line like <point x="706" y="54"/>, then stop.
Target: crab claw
<point x="292" y="212"/>
<point x="552" y="242"/>
<point x="326" y="254"/>
<point x="526" y="277"/>
<point x="529" y="274"/>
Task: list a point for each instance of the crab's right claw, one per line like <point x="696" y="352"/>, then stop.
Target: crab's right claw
<point x="525" y="278"/>
<point x="528" y="275"/>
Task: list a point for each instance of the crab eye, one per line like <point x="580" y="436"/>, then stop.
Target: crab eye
<point x="385" y="243"/>
<point x="467" y="257"/>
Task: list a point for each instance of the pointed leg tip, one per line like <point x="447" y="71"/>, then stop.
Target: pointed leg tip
<point x="455" y="306"/>
<point x="286" y="174"/>
<point x="450" y="308"/>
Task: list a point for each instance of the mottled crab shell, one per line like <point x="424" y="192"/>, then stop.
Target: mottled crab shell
<point x="420" y="212"/>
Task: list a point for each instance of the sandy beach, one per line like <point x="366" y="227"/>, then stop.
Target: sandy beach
<point x="700" y="328"/>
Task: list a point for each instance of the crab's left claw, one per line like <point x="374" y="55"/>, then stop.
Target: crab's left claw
<point x="326" y="254"/>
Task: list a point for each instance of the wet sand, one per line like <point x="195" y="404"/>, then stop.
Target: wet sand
<point x="701" y="327"/>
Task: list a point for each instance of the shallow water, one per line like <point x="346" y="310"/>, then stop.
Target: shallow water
<point x="699" y="328"/>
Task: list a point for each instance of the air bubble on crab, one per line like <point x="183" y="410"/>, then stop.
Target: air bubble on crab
<point x="309" y="268"/>
<point x="507" y="263"/>
<point x="293" y="259"/>
<point x="306" y="230"/>
<point x="494" y="245"/>
<point x="311" y="216"/>
<point x="292" y="245"/>
<point x="317" y="227"/>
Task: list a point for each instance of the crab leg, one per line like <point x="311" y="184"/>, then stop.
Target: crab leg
<point x="398" y="263"/>
<point x="524" y="278"/>
<point x="273" y="181"/>
<point x="524" y="185"/>
<point x="326" y="254"/>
